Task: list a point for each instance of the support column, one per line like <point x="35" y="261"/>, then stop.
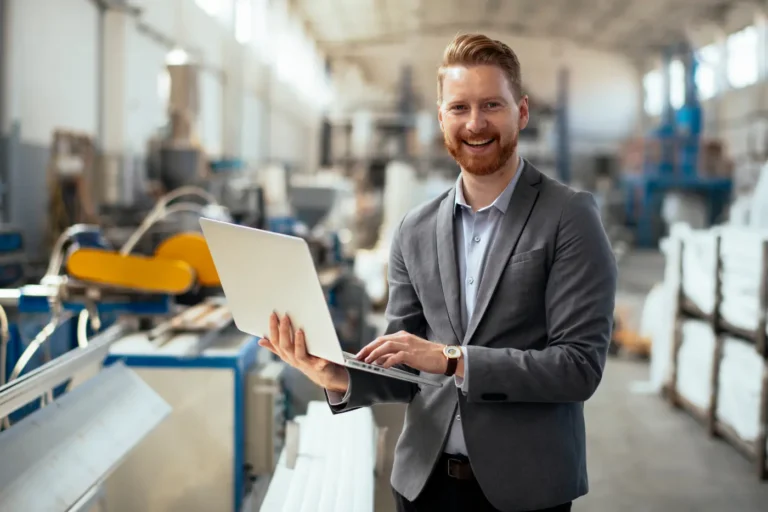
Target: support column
<point x="721" y="79"/>
<point x="761" y="24"/>
<point x="113" y="80"/>
<point x="234" y="105"/>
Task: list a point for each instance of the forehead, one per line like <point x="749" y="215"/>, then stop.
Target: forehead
<point x="467" y="82"/>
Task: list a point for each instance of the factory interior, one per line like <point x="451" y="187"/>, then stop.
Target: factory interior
<point x="125" y="383"/>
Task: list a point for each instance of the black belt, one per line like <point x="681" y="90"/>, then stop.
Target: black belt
<point x="456" y="466"/>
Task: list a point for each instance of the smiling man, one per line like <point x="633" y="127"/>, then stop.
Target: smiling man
<point x="502" y="289"/>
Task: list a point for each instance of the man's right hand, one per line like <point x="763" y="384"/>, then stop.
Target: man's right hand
<point x="293" y="350"/>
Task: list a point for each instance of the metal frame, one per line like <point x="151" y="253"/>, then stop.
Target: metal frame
<point x="240" y="364"/>
<point x="34" y="384"/>
<point x="684" y="309"/>
<point x="63" y="453"/>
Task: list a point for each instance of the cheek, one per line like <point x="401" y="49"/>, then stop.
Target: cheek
<point x="451" y="131"/>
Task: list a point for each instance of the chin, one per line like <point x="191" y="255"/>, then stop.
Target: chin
<point x="484" y="167"/>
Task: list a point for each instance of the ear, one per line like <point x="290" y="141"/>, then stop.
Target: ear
<point x="440" y="118"/>
<point x="524" y="113"/>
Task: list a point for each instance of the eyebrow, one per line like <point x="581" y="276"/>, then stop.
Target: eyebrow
<point x="483" y="100"/>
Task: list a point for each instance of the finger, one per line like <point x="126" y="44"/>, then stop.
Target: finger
<point x="394" y="359"/>
<point x="388" y="347"/>
<point x="274" y="330"/>
<point x="366" y="350"/>
<point x="300" y="347"/>
<point x="286" y="336"/>
<point x="264" y="342"/>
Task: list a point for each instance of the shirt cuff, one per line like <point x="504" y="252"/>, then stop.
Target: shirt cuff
<point x="336" y="398"/>
<point x="462" y="383"/>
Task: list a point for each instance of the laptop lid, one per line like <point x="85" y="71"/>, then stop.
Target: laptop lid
<point x="262" y="272"/>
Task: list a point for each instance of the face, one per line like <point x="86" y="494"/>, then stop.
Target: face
<point x="480" y="118"/>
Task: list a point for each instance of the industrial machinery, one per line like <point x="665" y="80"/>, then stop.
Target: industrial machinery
<point x="673" y="161"/>
<point x="186" y="354"/>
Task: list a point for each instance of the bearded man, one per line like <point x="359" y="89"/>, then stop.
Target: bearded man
<point x="503" y="290"/>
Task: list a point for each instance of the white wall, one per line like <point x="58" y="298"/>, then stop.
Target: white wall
<point x="604" y="87"/>
<point x="53" y="85"/>
<point x="143" y="104"/>
<point x="49" y="84"/>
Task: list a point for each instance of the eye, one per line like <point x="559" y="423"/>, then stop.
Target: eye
<point x="492" y="104"/>
<point x="458" y="108"/>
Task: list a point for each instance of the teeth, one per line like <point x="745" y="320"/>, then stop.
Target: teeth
<point x="479" y="143"/>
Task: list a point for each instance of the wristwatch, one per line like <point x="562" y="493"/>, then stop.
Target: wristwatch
<point x="452" y="353"/>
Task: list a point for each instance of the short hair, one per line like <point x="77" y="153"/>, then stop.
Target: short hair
<point x="477" y="50"/>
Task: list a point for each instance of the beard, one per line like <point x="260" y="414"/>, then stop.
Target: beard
<point x="485" y="164"/>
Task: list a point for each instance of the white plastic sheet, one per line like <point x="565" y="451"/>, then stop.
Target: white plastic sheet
<point x="741" y="255"/>
<point x="657" y="324"/>
<point x="694" y="364"/>
<point x="738" y="402"/>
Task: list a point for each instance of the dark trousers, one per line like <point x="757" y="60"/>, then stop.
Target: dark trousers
<point x="445" y="493"/>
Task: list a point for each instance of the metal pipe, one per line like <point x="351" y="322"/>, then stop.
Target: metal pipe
<point x="32" y="385"/>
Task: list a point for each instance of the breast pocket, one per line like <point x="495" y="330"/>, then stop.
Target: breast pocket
<point x="523" y="283"/>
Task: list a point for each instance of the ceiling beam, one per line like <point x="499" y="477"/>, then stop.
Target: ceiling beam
<point x="354" y="47"/>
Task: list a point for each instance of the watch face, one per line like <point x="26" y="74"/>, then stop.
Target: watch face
<point x="452" y="352"/>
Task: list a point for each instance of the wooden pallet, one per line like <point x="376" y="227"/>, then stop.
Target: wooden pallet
<point x="685" y="309"/>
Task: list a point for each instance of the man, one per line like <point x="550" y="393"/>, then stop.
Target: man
<point x="501" y="288"/>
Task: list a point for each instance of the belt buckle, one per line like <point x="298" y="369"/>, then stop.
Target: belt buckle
<point x="455" y="469"/>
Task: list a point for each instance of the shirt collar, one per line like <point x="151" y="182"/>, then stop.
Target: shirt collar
<point x="501" y="203"/>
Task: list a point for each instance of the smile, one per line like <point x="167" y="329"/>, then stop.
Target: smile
<point x="478" y="144"/>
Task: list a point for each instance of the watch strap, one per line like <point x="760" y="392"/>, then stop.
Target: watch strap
<point x="451" y="369"/>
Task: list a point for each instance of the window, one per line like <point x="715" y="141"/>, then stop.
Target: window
<point x="742" y="57"/>
<point x="243" y="21"/>
<point x="676" y="84"/>
<point x="706" y="73"/>
<point x="653" y="84"/>
<point x="260" y="26"/>
<point x="211" y="7"/>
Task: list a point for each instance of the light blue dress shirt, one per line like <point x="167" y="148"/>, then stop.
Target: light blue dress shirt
<point x="475" y="233"/>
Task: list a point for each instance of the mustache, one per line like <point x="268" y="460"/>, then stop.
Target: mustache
<point x="479" y="137"/>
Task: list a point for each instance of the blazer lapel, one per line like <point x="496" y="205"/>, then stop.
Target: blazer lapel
<point x="446" y="261"/>
<point x="515" y="218"/>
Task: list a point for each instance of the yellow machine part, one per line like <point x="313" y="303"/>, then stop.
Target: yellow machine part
<point x="192" y="249"/>
<point x="136" y="272"/>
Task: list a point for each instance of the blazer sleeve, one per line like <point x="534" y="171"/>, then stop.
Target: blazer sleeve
<point x="579" y="301"/>
<point x="404" y="313"/>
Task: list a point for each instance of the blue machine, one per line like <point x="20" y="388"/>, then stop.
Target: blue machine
<point x="11" y="257"/>
<point x="677" y="166"/>
<point x="235" y="361"/>
<point x="33" y="313"/>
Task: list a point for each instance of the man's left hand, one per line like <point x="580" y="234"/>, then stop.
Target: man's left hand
<point x="404" y="348"/>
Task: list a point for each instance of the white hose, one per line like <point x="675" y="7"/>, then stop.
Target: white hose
<point x="157" y="216"/>
<point x="57" y="255"/>
<point x="45" y="333"/>
<point x="162" y="210"/>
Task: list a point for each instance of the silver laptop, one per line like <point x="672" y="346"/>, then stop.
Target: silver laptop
<point x="262" y="272"/>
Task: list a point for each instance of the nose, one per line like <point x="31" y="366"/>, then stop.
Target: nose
<point x="476" y="122"/>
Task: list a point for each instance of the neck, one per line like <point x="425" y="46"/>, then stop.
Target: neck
<point x="481" y="191"/>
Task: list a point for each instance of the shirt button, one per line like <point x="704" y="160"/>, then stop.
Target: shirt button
<point x="458" y="417"/>
<point x="477" y="239"/>
<point x="471" y="280"/>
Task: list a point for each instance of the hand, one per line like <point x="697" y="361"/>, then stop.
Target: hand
<point x="293" y="350"/>
<point x="404" y="348"/>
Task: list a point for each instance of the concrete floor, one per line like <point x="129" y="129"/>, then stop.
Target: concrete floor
<point x="643" y="455"/>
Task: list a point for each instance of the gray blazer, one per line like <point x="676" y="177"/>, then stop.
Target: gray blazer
<point x="536" y="344"/>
